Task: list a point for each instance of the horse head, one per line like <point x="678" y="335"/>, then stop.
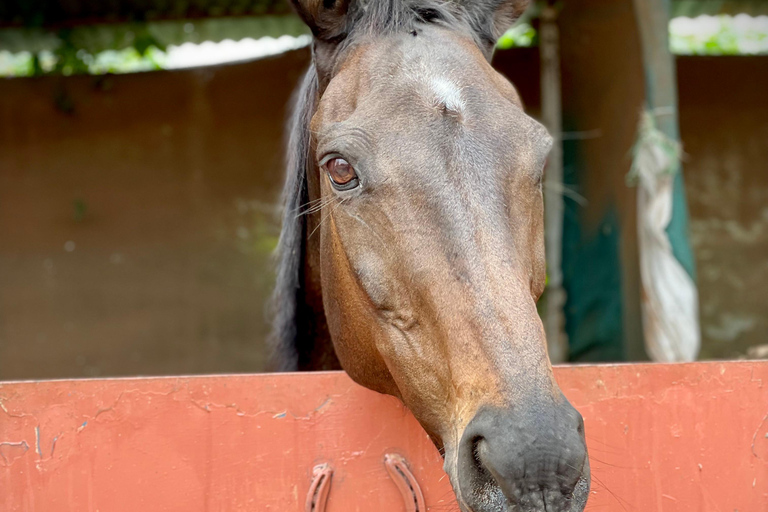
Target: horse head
<point x="413" y="241"/>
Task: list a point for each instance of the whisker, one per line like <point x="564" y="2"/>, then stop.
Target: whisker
<point x="618" y="499"/>
<point x="606" y="447"/>
<point x="316" y="208"/>
<point x="447" y="507"/>
<point x="566" y="191"/>
<point x="319" y="224"/>
<point x="598" y="440"/>
<point x="361" y="221"/>
<point x="595" y="459"/>
<point x="447" y="502"/>
<point x="308" y="203"/>
<point x="605" y="451"/>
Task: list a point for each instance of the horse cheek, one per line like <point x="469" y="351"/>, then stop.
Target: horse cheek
<point x="349" y="317"/>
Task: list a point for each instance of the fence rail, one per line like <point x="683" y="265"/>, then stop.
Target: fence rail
<point x="661" y="438"/>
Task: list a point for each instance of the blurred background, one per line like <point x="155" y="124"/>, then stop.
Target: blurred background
<point x="141" y="161"/>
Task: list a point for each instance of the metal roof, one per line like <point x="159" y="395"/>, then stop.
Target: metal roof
<point x="116" y="36"/>
<point x="95" y="25"/>
<point x="67" y="13"/>
<point x="693" y="8"/>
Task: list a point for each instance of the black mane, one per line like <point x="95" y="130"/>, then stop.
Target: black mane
<point x="284" y="339"/>
<point x="288" y="340"/>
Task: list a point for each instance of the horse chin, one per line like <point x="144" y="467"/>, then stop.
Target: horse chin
<point x="493" y="499"/>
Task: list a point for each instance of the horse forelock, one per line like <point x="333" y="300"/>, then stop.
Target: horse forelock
<point x="383" y="16"/>
<point x="366" y="18"/>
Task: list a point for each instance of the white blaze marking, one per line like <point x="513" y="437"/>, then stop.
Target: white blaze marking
<point x="448" y="95"/>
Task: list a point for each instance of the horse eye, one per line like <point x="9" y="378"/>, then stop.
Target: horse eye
<point x="341" y="174"/>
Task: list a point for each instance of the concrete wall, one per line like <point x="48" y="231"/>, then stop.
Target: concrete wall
<point x="724" y="126"/>
<point x="136" y="217"/>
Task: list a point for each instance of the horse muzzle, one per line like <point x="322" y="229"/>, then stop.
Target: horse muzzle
<point x="530" y="458"/>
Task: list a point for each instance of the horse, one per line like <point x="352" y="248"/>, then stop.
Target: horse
<point x="412" y="251"/>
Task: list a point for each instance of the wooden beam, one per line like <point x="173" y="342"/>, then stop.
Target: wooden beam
<point x="603" y="94"/>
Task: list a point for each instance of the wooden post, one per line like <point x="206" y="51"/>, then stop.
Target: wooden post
<point x="551" y="113"/>
<point x="602" y="89"/>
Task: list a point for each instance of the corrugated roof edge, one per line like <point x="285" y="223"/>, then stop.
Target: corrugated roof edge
<point x="100" y="37"/>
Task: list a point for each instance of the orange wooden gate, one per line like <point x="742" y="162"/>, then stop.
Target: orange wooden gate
<point x="672" y="438"/>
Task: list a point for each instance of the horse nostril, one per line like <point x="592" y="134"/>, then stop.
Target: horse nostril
<point x="476" y="481"/>
<point x="486" y="465"/>
<point x="476" y="446"/>
<point x="484" y="473"/>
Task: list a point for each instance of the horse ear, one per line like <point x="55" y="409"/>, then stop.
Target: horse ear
<point x="326" y="18"/>
<point x="491" y="18"/>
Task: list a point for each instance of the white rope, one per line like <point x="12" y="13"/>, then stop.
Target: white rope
<point x="669" y="296"/>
